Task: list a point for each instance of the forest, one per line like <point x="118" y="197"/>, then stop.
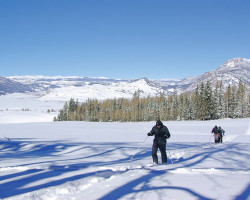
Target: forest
<point x="204" y="103"/>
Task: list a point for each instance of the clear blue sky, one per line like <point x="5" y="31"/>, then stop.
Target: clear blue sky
<point x="121" y="38"/>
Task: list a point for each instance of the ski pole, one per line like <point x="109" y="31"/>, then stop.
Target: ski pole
<point x="210" y="137"/>
<point x="139" y="148"/>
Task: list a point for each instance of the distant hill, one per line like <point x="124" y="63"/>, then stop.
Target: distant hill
<point x="11" y="86"/>
<point x="62" y="88"/>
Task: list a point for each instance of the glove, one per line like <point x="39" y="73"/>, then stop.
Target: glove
<point x="149" y="134"/>
<point x="167" y="136"/>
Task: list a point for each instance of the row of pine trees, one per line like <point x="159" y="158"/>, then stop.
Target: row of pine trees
<point x="202" y="104"/>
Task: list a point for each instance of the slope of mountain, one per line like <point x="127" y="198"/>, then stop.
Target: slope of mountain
<point x="63" y="88"/>
<point x="124" y="89"/>
<point x="231" y="72"/>
<point x="10" y="86"/>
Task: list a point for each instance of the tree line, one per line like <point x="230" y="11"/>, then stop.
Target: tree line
<point x="204" y="103"/>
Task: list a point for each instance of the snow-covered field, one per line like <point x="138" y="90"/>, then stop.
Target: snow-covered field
<point x="28" y="107"/>
<point x="83" y="160"/>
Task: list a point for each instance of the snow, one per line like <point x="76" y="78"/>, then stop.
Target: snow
<point x="30" y="101"/>
<point x="27" y="107"/>
<point x="100" y="91"/>
<point x="234" y="63"/>
<point x="92" y="160"/>
<point x="55" y="98"/>
<point x="89" y="160"/>
<point x="62" y="89"/>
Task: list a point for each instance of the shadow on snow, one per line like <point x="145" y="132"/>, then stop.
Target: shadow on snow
<point x="25" y="181"/>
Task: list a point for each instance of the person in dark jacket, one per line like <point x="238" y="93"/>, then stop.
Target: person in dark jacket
<point x="161" y="134"/>
<point x="215" y="132"/>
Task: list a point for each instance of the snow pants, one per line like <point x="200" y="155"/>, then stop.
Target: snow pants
<point x="220" y="138"/>
<point x="161" y="144"/>
<point x="216" y="138"/>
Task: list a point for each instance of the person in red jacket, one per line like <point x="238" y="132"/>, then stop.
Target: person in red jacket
<point x="220" y="134"/>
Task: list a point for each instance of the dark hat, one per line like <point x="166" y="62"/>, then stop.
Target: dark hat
<point x="159" y="123"/>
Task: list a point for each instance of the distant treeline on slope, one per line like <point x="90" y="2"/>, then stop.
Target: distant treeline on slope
<point x="202" y="104"/>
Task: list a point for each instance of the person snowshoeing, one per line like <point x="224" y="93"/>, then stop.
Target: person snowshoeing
<point x="161" y="134"/>
<point x="216" y="136"/>
<point x="221" y="133"/>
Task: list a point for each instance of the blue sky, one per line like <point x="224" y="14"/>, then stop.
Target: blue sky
<point x="121" y="38"/>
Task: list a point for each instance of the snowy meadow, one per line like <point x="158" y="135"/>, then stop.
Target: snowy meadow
<point x="88" y="160"/>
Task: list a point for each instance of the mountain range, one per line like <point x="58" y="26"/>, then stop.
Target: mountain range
<point x="63" y="88"/>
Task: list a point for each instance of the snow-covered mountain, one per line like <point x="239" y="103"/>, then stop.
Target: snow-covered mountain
<point x="63" y="88"/>
<point x="231" y="72"/>
<point x="11" y="86"/>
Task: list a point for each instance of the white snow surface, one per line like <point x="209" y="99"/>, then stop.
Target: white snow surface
<point x="64" y="88"/>
<point x="101" y="92"/>
<point x="92" y="160"/>
<point x="27" y="107"/>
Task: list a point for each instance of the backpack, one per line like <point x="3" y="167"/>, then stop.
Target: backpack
<point x="215" y="130"/>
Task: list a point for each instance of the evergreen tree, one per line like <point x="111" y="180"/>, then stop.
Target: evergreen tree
<point x="241" y="99"/>
<point x="202" y="104"/>
<point x="209" y="101"/>
<point x="221" y="103"/>
<point x="197" y="102"/>
<point x="216" y="101"/>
